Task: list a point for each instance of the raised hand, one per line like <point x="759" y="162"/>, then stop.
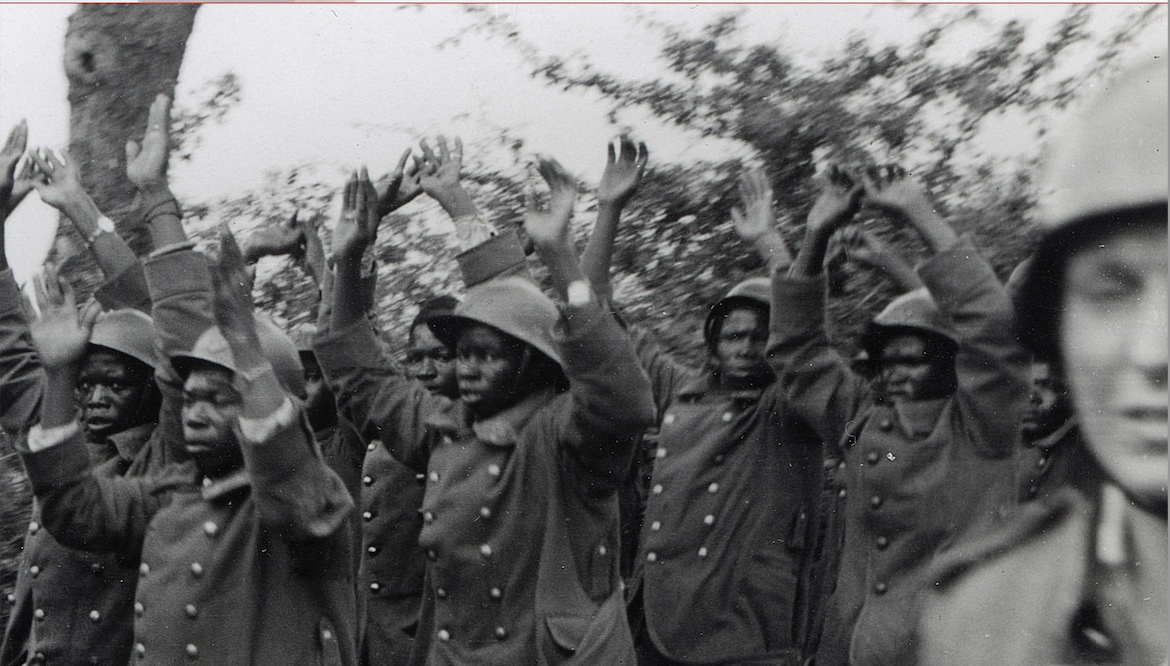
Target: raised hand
<point x="61" y="333"/>
<point x="400" y="186"/>
<point x="58" y="182"/>
<point x="623" y="172"/>
<point x="839" y="200"/>
<point x="550" y="228"/>
<point x="755" y="217"/>
<point x="356" y="229"/>
<point x="146" y="164"/>
<point x="14" y="188"/>
<point x="441" y="174"/>
<point x="891" y="189"/>
<point x="233" y="292"/>
<point x="275" y="240"/>
<point x="314" y="253"/>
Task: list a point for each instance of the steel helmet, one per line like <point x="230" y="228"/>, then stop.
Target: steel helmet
<point x="1113" y="155"/>
<point x="126" y="331"/>
<point x="510" y="304"/>
<point x="913" y="310"/>
<point x="752" y="292"/>
<point x="212" y="347"/>
<point x="1110" y="163"/>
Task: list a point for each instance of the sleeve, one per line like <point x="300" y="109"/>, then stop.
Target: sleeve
<point x="296" y="493"/>
<point x="818" y="383"/>
<point x="180" y="289"/>
<point x="88" y="511"/>
<point x="127" y="289"/>
<point x="990" y="366"/>
<point x="664" y="373"/>
<point x="380" y="403"/>
<point x="21" y="375"/>
<point x="610" y="399"/>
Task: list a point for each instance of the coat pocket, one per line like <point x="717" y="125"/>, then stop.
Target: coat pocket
<point x="601" y="638"/>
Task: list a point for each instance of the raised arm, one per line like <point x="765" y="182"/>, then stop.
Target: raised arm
<point x="146" y="167"/>
<point x="13" y="188"/>
<point x="865" y="248"/>
<point x="295" y="491"/>
<point x="623" y="173"/>
<point x="755" y="222"/>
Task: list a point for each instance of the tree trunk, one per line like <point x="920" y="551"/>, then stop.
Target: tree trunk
<point x="117" y="59"/>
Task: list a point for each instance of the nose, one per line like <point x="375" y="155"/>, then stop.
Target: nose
<point x="427" y="368"/>
<point x="99" y="396"/>
<point x="1034" y="399"/>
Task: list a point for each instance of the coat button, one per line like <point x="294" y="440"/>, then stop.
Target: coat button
<point x="660" y="452"/>
<point x="367" y="516"/>
<point x="501" y="633"/>
<point x="880" y="588"/>
<point x="485" y="511"/>
<point x="441" y="593"/>
<point x="713" y="488"/>
<point x="210" y="528"/>
<point x="420" y="477"/>
<point x="368" y="480"/>
<point x="842" y="465"/>
<point x="727" y="416"/>
<point x="371" y="446"/>
<point x="433" y="476"/>
<point x="709" y="519"/>
<point x="841" y="493"/>
<point x="139" y="650"/>
<point x="872" y="457"/>
<point x="432" y="555"/>
<point x="668" y="419"/>
<point x="886" y="425"/>
<point x="192" y="651"/>
<point x="496" y="593"/>
<point x="372" y="550"/>
<point x="428" y="517"/>
<point x="375" y="588"/>
<point x="657" y="489"/>
<point x="655" y="526"/>
<point x="494" y="469"/>
<point x="875" y="501"/>
<point x="139" y="609"/>
<point x="39" y="658"/>
<point x="652" y="556"/>
<point x="143" y="569"/>
<point x="34" y="570"/>
<point x="196" y="569"/>
<point x="882" y="543"/>
<point x="702" y="552"/>
<point x="94" y="615"/>
<point x="96" y="568"/>
<point x="34" y="527"/>
<point x="444" y="635"/>
<point x="602" y="550"/>
<point x="719" y="459"/>
<point x="39" y="613"/>
<point x="11" y="598"/>
<point x="485" y="550"/>
<point x="191" y="611"/>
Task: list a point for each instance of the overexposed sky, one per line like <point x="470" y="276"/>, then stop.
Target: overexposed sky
<point x="339" y="85"/>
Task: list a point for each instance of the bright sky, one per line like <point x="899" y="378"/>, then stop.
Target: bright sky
<point x="339" y="85"/>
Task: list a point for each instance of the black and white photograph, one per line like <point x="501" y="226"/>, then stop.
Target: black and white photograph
<point x="583" y="334"/>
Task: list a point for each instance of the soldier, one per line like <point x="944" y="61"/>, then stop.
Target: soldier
<point x="520" y="512"/>
<point x="735" y="476"/>
<point x="929" y="445"/>
<point x="1080" y="577"/>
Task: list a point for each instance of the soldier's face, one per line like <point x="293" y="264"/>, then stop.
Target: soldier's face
<point x="111" y="391"/>
<point x="739" y="349"/>
<point x="211" y="406"/>
<point x="1049" y="405"/>
<point x="487" y="365"/>
<point x="908" y="372"/>
<point x="1113" y="346"/>
<point x="431" y="362"/>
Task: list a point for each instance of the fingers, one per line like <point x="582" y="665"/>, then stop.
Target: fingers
<point x="629" y="150"/>
<point x="457" y="151"/>
<point x="17" y="139"/>
<point x="42" y="164"/>
<point x="428" y="154"/>
<point x="349" y="194"/>
<point x="132" y="150"/>
<point x="292" y="221"/>
<point x="738" y="218"/>
<point x="159" y="115"/>
<point x="610" y="157"/>
<point x="231" y="258"/>
<point x="643" y="157"/>
<point x="444" y="155"/>
<point x="401" y="166"/>
<point x="89" y="315"/>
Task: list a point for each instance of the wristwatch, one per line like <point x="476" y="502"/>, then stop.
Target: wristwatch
<point x="104" y="225"/>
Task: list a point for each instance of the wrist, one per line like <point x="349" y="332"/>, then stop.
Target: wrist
<point x="455" y="201"/>
<point x="612" y="204"/>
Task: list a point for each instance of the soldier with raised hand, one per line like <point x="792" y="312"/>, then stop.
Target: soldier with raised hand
<point x="520" y="510"/>
<point x="1080" y="576"/>
<point x="929" y="444"/>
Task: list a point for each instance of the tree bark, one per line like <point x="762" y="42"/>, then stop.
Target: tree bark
<point x="117" y="59"/>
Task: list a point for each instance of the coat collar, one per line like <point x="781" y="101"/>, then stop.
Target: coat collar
<point x="129" y="442"/>
<point x="503" y="429"/>
<point x="1055" y="437"/>
<point x="214" y="489"/>
<point x="702" y="384"/>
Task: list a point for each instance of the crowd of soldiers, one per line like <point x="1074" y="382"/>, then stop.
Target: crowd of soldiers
<point x="539" y="482"/>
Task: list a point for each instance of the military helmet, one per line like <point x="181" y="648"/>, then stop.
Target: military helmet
<point x="752" y="292"/>
<point x="212" y="347"/>
<point x="915" y="310"/>
<point x="1107" y="167"/>
<point x="510" y="304"/>
<point x="126" y="331"/>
